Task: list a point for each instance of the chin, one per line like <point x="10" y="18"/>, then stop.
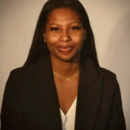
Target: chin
<point x="69" y="58"/>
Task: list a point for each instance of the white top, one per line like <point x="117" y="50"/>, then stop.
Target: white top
<point x="68" y="120"/>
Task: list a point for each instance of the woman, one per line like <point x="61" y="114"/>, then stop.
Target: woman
<point x="61" y="86"/>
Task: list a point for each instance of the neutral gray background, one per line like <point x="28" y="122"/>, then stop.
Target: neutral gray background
<point x="110" y="20"/>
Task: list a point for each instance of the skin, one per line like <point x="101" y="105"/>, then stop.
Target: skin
<point x="64" y="37"/>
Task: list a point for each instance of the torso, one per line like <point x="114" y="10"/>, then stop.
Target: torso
<point x="67" y="92"/>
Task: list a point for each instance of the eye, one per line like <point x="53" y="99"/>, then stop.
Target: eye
<point x="75" y="28"/>
<point x="54" y="29"/>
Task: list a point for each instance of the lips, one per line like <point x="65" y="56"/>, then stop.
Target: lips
<point x="65" y="49"/>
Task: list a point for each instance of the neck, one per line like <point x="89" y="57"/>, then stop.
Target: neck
<point x="65" y="69"/>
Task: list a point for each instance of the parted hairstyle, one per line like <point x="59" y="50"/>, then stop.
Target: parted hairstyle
<point x="39" y="47"/>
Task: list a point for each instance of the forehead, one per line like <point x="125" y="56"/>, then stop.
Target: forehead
<point x="63" y="15"/>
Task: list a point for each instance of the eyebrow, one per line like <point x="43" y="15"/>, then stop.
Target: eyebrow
<point x="69" y="23"/>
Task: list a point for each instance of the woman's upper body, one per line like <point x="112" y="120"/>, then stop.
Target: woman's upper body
<point x="59" y="69"/>
<point x="31" y="100"/>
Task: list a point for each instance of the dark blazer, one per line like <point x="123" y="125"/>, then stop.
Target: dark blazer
<point x="31" y="103"/>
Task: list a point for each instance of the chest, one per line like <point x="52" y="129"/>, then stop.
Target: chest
<point x="42" y="100"/>
<point x="67" y="92"/>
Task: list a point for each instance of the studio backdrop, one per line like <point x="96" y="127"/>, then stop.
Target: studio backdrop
<point x="110" y="21"/>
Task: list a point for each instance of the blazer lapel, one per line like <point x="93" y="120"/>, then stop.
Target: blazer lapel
<point x="44" y="105"/>
<point x="89" y="97"/>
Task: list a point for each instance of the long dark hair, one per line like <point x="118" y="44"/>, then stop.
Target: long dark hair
<point x="39" y="47"/>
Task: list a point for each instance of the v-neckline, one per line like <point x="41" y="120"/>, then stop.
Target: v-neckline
<point x="65" y="115"/>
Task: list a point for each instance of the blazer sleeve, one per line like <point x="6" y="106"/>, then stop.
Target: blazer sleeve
<point x="117" y="121"/>
<point x="11" y="115"/>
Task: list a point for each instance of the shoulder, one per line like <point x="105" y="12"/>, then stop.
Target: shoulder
<point x="26" y="71"/>
<point x="109" y="78"/>
<point x="21" y="74"/>
<point x="23" y="71"/>
<point x="106" y="73"/>
<point x="15" y="81"/>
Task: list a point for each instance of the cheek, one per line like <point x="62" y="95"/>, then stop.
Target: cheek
<point x="78" y="39"/>
<point x="51" y="39"/>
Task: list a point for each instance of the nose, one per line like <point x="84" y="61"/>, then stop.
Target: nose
<point x="65" y="37"/>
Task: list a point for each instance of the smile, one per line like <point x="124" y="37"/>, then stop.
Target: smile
<point x="65" y="49"/>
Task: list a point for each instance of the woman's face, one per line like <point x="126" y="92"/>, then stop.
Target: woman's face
<point x="64" y="34"/>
